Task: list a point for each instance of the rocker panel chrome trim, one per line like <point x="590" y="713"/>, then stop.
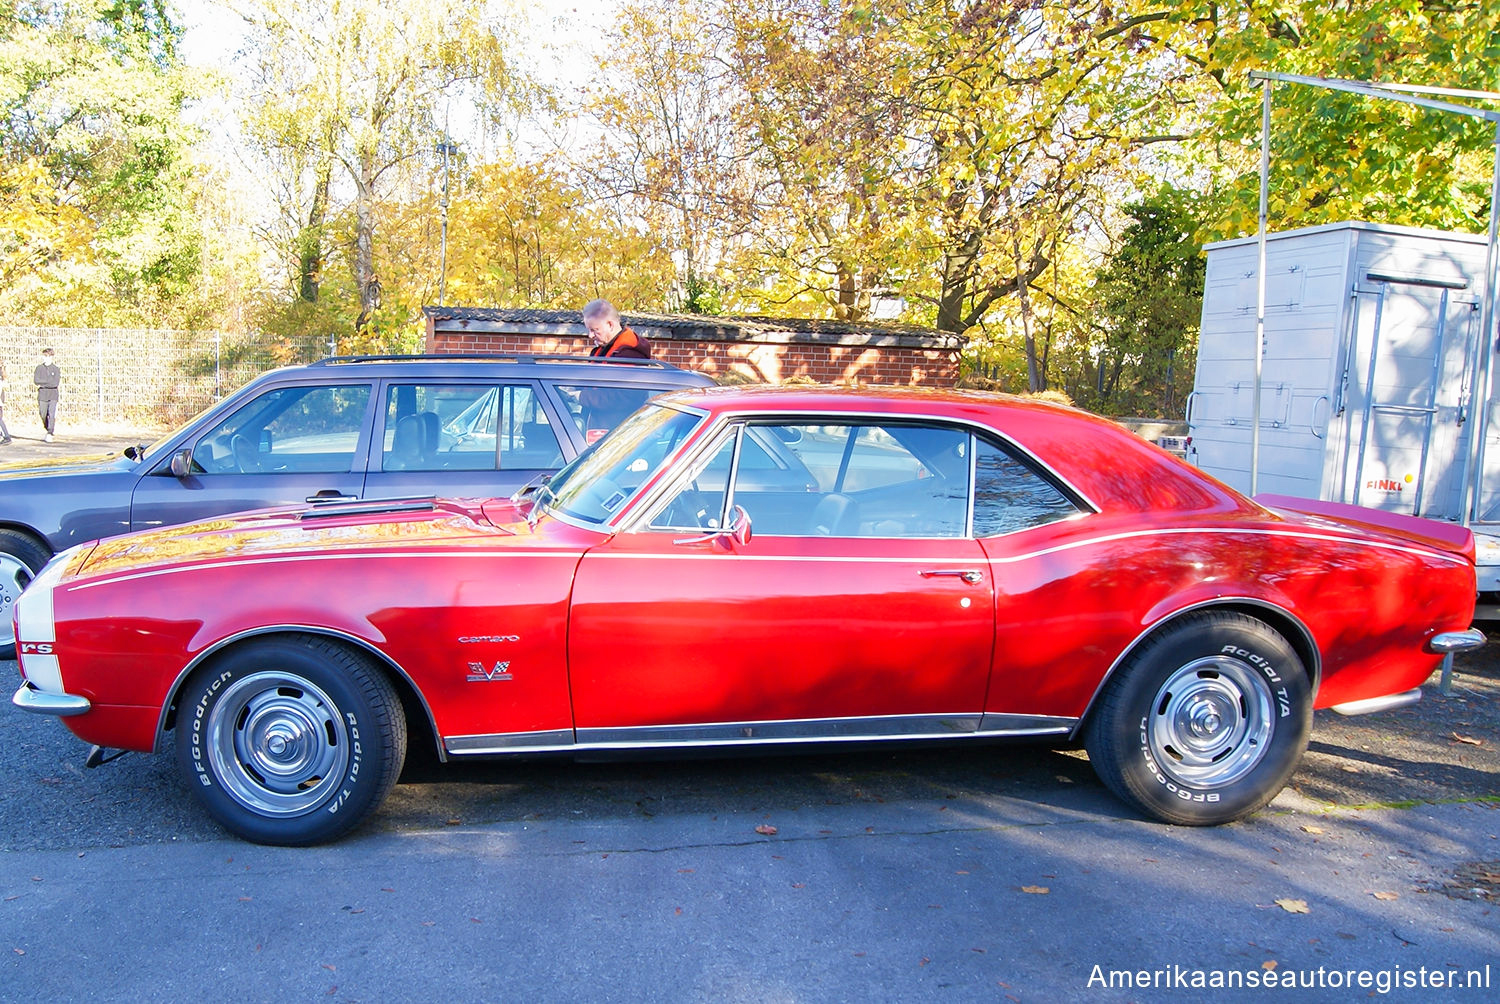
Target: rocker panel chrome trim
<point x="772" y="733"/>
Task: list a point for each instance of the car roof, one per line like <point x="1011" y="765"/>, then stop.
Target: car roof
<point x="1106" y="461"/>
<point x="479" y="362"/>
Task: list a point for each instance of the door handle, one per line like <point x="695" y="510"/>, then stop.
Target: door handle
<point x="969" y="575"/>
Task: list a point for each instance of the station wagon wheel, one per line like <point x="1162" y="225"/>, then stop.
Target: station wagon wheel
<point x="21" y="558"/>
<point x="291" y="740"/>
<point x="1205" y="722"/>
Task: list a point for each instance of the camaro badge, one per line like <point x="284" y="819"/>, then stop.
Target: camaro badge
<point x="478" y="674"/>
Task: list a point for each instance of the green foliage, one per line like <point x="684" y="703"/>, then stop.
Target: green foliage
<point x="1338" y="156"/>
<point x="1148" y="301"/>
<point x="92" y="93"/>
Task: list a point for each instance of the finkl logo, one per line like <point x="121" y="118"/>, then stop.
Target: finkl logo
<point x="1384" y="485"/>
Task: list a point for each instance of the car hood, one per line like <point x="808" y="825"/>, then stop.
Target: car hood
<point x="95" y="463"/>
<point x="379" y="526"/>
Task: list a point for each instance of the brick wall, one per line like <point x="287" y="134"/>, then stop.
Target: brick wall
<point x="756" y="361"/>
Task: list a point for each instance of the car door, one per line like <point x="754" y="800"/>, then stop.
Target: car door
<point x="858" y="607"/>
<point x="463" y="439"/>
<point x="290" y="444"/>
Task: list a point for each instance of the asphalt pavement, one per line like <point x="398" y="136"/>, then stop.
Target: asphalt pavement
<point x="987" y="874"/>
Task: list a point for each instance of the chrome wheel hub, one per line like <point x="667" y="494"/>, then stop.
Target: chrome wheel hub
<point x="277" y="743"/>
<point x="1211" y="722"/>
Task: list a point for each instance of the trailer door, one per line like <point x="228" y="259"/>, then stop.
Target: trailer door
<point x="1407" y="385"/>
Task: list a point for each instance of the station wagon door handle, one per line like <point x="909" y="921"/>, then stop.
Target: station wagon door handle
<point x="329" y="495"/>
<point x="969" y="575"/>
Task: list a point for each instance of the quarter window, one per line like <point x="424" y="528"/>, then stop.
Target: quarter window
<point x="1009" y="495"/>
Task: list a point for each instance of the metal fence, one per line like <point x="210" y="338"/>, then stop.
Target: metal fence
<point x="141" y="376"/>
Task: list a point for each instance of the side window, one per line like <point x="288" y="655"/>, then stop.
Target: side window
<point x="1010" y="496"/>
<point x="851" y="480"/>
<point x="290" y="430"/>
<point x="597" y="409"/>
<point x="466" y="427"/>
<point x="699" y="504"/>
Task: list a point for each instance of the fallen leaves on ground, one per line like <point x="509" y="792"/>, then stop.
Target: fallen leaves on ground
<point x="1036" y="890"/>
<point x="1466" y="739"/>
<point x="766" y="830"/>
<point x="1386" y="895"/>
<point x="1293" y="905"/>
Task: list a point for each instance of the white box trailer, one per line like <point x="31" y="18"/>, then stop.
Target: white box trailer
<point x="1367" y="378"/>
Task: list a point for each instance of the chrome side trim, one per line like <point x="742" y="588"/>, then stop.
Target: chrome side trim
<point x="39" y="702"/>
<point x="554" y="740"/>
<point x="801" y="730"/>
<point x="1373" y="704"/>
<point x="772" y="733"/>
<point x="1026" y="725"/>
<point x="1456" y="641"/>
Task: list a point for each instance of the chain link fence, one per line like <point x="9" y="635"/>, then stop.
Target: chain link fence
<point x="143" y="377"/>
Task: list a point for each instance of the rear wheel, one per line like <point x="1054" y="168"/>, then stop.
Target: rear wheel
<point x="1204" y="723"/>
<point x="290" y="741"/>
<point x="21" y="558"/>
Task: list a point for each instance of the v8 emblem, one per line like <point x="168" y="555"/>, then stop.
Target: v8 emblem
<point x="478" y="674"/>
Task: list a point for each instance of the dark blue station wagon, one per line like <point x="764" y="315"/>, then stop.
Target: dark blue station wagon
<point x="345" y="428"/>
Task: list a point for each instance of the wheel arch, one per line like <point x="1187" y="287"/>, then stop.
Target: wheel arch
<point x="1279" y="619"/>
<point x="36" y="536"/>
<point x="420" y="722"/>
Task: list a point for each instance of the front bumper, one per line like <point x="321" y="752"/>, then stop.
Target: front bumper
<point x="40" y="702"/>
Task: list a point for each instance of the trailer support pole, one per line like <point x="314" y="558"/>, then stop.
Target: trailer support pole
<point x="1480" y="394"/>
<point x="1260" y="280"/>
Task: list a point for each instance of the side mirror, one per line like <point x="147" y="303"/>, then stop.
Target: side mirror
<point x="738" y="530"/>
<point x="739" y="525"/>
<point x="181" y="464"/>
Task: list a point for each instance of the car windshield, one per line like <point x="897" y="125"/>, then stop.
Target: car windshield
<point x="602" y="479"/>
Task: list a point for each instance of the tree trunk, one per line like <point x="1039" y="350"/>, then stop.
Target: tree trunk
<point x="364" y="244"/>
<point x="310" y="241"/>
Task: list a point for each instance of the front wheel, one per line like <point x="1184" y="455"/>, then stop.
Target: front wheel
<point x="291" y="741"/>
<point x="1204" y="723"/>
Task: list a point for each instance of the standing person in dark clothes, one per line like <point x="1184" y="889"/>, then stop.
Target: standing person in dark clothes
<point x="48" y="378"/>
<point x="4" y="432"/>
<point x="609" y="334"/>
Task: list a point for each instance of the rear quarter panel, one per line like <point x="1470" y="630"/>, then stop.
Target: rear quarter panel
<point x="1073" y="599"/>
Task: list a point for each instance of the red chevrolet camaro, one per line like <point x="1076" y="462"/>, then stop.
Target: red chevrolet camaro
<point x="756" y="568"/>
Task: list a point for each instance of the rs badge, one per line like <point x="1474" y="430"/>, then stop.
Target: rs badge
<point x="478" y="674"/>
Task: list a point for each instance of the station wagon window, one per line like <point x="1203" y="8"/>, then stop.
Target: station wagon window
<point x="598" y="408"/>
<point x="288" y="430"/>
<point x="1009" y="495"/>
<point x="858" y="479"/>
<point x="466" y="427"/>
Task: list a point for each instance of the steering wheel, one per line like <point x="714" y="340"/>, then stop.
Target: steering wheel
<point x="246" y="460"/>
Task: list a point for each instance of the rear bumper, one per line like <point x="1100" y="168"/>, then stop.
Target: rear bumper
<point x="40" y="702"/>
<point x="1456" y="641"/>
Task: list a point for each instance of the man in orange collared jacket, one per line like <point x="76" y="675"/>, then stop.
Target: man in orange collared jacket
<point x="608" y="333"/>
<point x="604" y="407"/>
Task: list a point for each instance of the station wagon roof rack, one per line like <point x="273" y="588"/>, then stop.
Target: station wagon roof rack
<point x="492" y="357"/>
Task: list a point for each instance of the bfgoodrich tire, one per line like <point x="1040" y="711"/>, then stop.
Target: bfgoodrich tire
<point x="290" y="741"/>
<point x="1205" y="722"/>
